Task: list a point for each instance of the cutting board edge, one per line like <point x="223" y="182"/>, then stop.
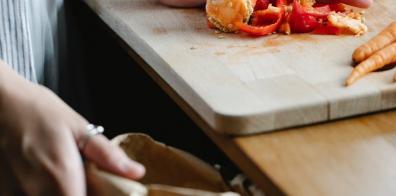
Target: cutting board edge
<point x="245" y="124"/>
<point x="266" y="121"/>
<point x="221" y="129"/>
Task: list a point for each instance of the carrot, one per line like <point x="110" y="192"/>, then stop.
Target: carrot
<point x="386" y="37"/>
<point x="376" y="61"/>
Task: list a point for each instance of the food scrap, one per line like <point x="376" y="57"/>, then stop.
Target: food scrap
<point x="264" y="17"/>
<point x="375" y="54"/>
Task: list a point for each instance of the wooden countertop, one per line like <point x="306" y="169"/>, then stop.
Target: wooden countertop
<point x="240" y="85"/>
<point x="355" y="156"/>
<point x="348" y="157"/>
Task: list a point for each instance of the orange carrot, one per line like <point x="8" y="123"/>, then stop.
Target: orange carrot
<point x="386" y="37"/>
<point x="376" y="61"/>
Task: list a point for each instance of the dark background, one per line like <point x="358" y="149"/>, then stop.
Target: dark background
<point x="107" y="87"/>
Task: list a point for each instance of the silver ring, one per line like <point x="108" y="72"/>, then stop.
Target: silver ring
<point x="90" y="130"/>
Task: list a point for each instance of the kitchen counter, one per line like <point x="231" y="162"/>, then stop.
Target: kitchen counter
<point x="355" y="156"/>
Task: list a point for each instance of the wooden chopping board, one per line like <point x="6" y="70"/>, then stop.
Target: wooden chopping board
<point x="242" y="85"/>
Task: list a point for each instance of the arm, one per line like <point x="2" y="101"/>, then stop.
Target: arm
<point x="39" y="134"/>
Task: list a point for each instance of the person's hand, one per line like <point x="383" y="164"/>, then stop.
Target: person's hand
<point x="194" y="3"/>
<point x="356" y="3"/>
<point x="183" y="3"/>
<point x="39" y="135"/>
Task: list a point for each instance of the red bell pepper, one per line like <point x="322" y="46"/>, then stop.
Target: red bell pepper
<point x="306" y="19"/>
<point x="281" y="3"/>
<point x="265" y="17"/>
<point x="300" y="21"/>
<point x="337" y="7"/>
<point x="327" y="30"/>
<point x="317" y="12"/>
<point x="261" y="4"/>
<point x="303" y="23"/>
<point x="262" y="30"/>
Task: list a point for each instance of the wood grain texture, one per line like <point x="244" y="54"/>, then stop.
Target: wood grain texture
<point x="224" y="142"/>
<point x="240" y="85"/>
<point x="348" y="157"/>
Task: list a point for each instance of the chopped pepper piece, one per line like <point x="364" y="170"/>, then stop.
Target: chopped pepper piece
<point x="317" y="12"/>
<point x="261" y="4"/>
<point x="261" y="17"/>
<point x="327" y="30"/>
<point x="265" y="17"/>
<point x="337" y="7"/>
<point x="301" y="21"/>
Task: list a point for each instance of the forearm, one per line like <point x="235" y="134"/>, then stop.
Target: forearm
<point x="6" y="77"/>
<point x="13" y="87"/>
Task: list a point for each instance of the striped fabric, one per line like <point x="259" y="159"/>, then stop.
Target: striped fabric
<point x="15" y="37"/>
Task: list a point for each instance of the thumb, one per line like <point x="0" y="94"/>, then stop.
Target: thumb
<point x="100" y="151"/>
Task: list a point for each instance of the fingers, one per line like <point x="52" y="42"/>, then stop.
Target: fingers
<point x="8" y="183"/>
<point x="107" y="156"/>
<point x="66" y="166"/>
<point x="356" y="3"/>
<point x="48" y="164"/>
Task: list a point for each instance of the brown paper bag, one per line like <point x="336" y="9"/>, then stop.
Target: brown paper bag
<point x="169" y="172"/>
